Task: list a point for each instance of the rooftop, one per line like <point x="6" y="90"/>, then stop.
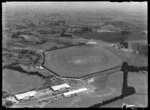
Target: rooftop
<point x="57" y="87"/>
<point x="23" y="95"/>
<point x="75" y="91"/>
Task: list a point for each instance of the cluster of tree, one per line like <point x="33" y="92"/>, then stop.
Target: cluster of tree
<point x="24" y="56"/>
<point x="87" y="29"/>
<point x="67" y="45"/>
<point x="132" y="68"/>
<point x="32" y="56"/>
<point x="128" y="91"/>
<point x="54" y="48"/>
<point x="57" y="23"/>
<point x="104" y="102"/>
<point x="20" y="27"/>
<point x="32" y="25"/>
<point x="81" y="43"/>
<point x="17" y="34"/>
<point x="125" y="32"/>
<point x="46" y="31"/>
<point x="25" y="51"/>
<point x="33" y="39"/>
<point x="65" y="35"/>
<point x="20" y="69"/>
<point x="5" y="94"/>
<point x="8" y="103"/>
<point x="6" y="49"/>
<point x="7" y="55"/>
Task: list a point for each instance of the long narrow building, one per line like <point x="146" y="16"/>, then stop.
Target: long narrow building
<point x="67" y="94"/>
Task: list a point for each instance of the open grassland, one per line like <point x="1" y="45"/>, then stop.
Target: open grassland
<point x="140" y="83"/>
<point x="15" y="82"/>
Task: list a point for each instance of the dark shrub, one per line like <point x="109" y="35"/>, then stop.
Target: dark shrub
<point x="9" y="103"/>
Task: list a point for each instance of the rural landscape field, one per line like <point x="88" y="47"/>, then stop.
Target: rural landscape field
<point x="74" y="54"/>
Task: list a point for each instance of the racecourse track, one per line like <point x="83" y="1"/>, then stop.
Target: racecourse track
<point x="80" y="61"/>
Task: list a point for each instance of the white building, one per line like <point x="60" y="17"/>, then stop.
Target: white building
<point x="91" y="42"/>
<point x="67" y="94"/>
<point x="127" y="50"/>
<point x="61" y="86"/>
<point x="25" y="95"/>
<point x="90" y="80"/>
<point x="40" y="67"/>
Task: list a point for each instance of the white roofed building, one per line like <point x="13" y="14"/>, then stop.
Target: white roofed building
<point x="91" y="42"/>
<point x="67" y="94"/>
<point x="25" y="95"/>
<point x="61" y="86"/>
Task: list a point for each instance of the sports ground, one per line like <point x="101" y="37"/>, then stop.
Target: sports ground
<point x="80" y="61"/>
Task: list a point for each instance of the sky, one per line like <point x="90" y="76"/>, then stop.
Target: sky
<point x="128" y="6"/>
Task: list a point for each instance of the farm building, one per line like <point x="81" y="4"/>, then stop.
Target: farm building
<point x="58" y="87"/>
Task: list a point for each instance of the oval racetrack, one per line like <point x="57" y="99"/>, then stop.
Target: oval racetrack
<point x="80" y="61"/>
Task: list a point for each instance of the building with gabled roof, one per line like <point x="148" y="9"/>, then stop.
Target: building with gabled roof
<point x="61" y="86"/>
<point x="25" y="95"/>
